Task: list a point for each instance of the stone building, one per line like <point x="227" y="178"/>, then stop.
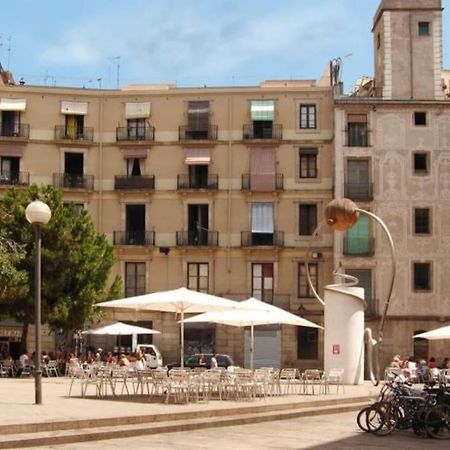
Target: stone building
<point x="392" y="157"/>
<point x="216" y="189"/>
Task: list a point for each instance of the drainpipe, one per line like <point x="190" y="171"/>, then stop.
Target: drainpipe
<point x="230" y="137"/>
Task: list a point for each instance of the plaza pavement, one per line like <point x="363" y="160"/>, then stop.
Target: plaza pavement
<point x="70" y="420"/>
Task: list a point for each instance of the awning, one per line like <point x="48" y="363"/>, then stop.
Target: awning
<point x="137" y="110"/>
<point x="140" y="153"/>
<point x="75" y="108"/>
<point x="12" y="104"/>
<point x="262" y="109"/>
<point x="198" y="156"/>
<point x="262" y="169"/>
<point x="9" y="150"/>
<point x="262" y="218"/>
<point x="357" y="118"/>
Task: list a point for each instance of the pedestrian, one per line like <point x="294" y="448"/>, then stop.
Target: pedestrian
<point x="214" y="364"/>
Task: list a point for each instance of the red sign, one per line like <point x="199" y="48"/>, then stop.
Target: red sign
<point x="336" y="349"/>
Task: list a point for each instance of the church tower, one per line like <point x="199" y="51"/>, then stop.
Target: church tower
<point x="408" y="50"/>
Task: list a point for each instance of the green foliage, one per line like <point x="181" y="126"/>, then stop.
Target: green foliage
<point x="76" y="261"/>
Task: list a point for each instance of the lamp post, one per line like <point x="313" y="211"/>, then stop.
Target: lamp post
<point x="37" y="213"/>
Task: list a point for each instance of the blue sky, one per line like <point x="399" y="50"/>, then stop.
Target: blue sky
<point x="188" y="42"/>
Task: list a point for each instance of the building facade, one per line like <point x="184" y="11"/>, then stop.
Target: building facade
<point x="392" y="150"/>
<point x="215" y="189"/>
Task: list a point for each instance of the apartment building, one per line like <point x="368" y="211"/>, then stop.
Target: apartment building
<point x="216" y="189"/>
<point x="392" y="150"/>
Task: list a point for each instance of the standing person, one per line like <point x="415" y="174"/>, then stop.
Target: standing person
<point x="24" y="360"/>
<point x="432" y="363"/>
<point x="214" y="364"/>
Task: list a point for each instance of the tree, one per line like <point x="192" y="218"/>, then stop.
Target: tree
<point x="76" y="262"/>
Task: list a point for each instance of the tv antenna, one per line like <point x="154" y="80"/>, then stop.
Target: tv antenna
<point x="117" y="59"/>
<point x="9" y="51"/>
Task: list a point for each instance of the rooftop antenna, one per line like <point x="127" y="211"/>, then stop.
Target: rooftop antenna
<point x="117" y="58"/>
<point x="9" y="52"/>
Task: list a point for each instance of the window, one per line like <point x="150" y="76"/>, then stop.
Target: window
<point x="198" y="228"/>
<point x="134" y="167"/>
<point x="422" y="276"/>
<point x="10" y="123"/>
<point x="365" y="281"/>
<point x="424" y="28"/>
<point x="262" y="282"/>
<point x="308" y="162"/>
<point x="198" y="120"/>
<point x="262" y="114"/>
<point x="135" y="224"/>
<point x="358" y="239"/>
<point x="307" y="219"/>
<point x="262" y="223"/>
<point x="378" y="40"/>
<point x="9" y="170"/>
<point x="74" y="126"/>
<point x="357" y="182"/>
<point x="308" y="116"/>
<point x="307" y="343"/>
<point x="420" y="118"/>
<point x="422" y="221"/>
<point x="357" y="130"/>
<point x="134" y="279"/>
<point x="198" y="277"/>
<point x="304" y="290"/>
<point x="77" y="207"/>
<point x="421" y="163"/>
<point x="136" y="129"/>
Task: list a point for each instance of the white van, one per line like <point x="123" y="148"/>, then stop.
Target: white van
<point x="152" y="355"/>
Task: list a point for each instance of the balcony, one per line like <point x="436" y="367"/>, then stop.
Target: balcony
<point x="189" y="133"/>
<point x="210" y="182"/>
<point x="359" y="246"/>
<point x="130" y="182"/>
<point x="73" y="181"/>
<point x="140" y="237"/>
<point x="197" y="238"/>
<point x="14" y="178"/>
<point x="251" y="239"/>
<point x="250" y="132"/>
<point x="84" y="135"/>
<point x="17" y="131"/>
<point x="246" y="182"/>
<point x="135" y="134"/>
<point x="359" y="191"/>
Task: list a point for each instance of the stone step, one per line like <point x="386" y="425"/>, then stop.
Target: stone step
<point x="209" y="411"/>
<point x="113" y="431"/>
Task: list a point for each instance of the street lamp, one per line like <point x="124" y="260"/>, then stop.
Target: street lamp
<point x="37" y="213"/>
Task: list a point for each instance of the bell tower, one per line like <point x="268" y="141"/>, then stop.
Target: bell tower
<point x="408" y="49"/>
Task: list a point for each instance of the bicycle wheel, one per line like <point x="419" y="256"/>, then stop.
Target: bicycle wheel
<point x="361" y="419"/>
<point x="437" y="422"/>
<point x="383" y="419"/>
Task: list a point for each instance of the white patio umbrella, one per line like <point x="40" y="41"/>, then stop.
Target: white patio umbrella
<point x="259" y="313"/>
<point x="179" y="301"/>
<point x="120" y="328"/>
<point x="438" y="333"/>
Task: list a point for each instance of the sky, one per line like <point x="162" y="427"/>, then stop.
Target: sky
<point x="112" y="43"/>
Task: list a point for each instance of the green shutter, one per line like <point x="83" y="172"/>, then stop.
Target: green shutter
<point x="359" y="237"/>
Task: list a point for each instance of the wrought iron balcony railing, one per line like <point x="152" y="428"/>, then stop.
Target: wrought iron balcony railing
<point x="14" y="178"/>
<point x="247" y="185"/>
<point x="357" y="136"/>
<point x="359" y="191"/>
<point x="16" y="131"/>
<point x="185" y="181"/>
<point x="73" y="181"/>
<point x="358" y="246"/>
<point x="251" y="239"/>
<point x="125" y="182"/>
<point x="274" y="132"/>
<point x="144" y="133"/>
<point x="62" y="133"/>
<point x="189" y="133"/>
<point x="197" y="238"/>
<point x="135" y="237"/>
